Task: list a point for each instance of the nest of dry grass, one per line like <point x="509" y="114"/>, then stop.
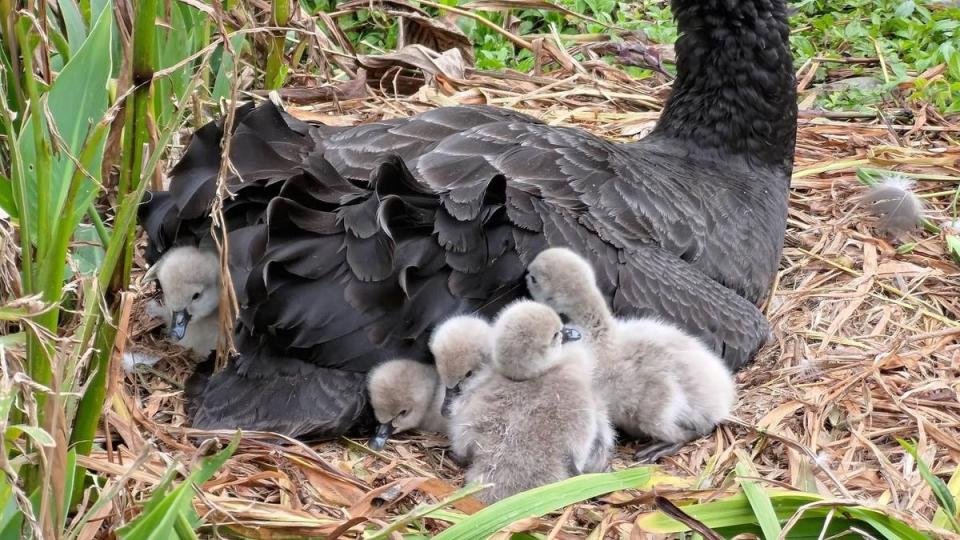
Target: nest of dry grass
<point x="867" y="345"/>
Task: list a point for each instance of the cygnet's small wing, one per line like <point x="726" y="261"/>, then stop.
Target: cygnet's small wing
<point x="894" y="204"/>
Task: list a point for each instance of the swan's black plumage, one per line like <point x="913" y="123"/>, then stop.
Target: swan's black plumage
<point x="349" y="244"/>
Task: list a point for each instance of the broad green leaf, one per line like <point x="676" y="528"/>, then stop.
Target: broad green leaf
<point x="159" y="519"/>
<point x="88" y="253"/>
<point x="16" y="338"/>
<point x="545" y="499"/>
<point x="173" y="45"/>
<point x="77" y="100"/>
<point x="38" y="435"/>
<point x="221" y="85"/>
<point x="73" y="20"/>
<point x="759" y="501"/>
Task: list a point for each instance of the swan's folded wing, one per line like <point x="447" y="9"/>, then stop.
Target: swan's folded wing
<point x="304" y="401"/>
<point x="632" y="196"/>
<point x="358" y="151"/>
<point x="653" y="282"/>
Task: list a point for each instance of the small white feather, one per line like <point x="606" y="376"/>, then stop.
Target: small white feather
<point x="131" y="360"/>
<point x="895" y="205"/>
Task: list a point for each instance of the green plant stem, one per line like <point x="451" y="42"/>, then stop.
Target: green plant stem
<point x="281" y="16"/>
<point x="18" y="184"/>
<point x="137" y="121"/>
<point x="51" y="271"/>
<point x="101" y="229"/>
<point x="7" y="32"/>
<point x="44" y="159"/>
<point x="39" y="354"/>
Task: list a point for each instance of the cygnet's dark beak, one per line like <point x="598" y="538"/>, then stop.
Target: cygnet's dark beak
<point x="448" y="398"/>
<point x="179" y="326"/>
<point x="569" y="334"/>
<point x="384" y="431"/>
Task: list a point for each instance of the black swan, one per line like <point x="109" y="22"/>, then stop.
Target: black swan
<point x="348" y="245"/>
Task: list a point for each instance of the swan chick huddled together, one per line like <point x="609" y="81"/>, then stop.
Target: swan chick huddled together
<point x="660" y="383"/>
<point x="462" y="348"/>
<point x="534" y="420"/>
<point x="190" y="280"/>
<point x="405" y="395"/>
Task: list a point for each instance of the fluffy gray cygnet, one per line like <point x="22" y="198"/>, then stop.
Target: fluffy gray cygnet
<point x="462" y="347"/>
<point x="405" y="395"/>
<point x="535" y="419"/>
<point x="190" y="280"/>
<point x="659" y="382"/>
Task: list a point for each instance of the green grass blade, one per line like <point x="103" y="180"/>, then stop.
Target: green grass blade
<point x="160" y="520"/>
<point x="18" y="193"/>
<point x="423" y="511"/>
<point x="940" y="490"/>
<point x="941" y="519"/>
<point x="545" y="499"/>
<point x="759" y="501"/>
<point x="734" y="513"/>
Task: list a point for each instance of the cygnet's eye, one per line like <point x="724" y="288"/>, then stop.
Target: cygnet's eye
<point x="196" y="296"/>
<point x="532" y="278"/>
<point x="468" y="375"/>
<point x="402" y="413"/>
<point x="557" y="337"/>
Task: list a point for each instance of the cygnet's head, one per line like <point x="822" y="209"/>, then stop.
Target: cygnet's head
<point x="461" y="346"/>
<point x="561" y="279"/>
<point x="190" y="279"/>
<point x="527" y="340"/>
<point x="401" y="392"/>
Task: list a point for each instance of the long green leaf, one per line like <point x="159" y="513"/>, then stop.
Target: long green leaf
<point x="759" y="501"/>
<point x="160" y="521"/>
<point x="545" y="499"/>
<point x="939" y="488"/>
<point x="941" y="519"/>
<point x="423" y="511"/>
<point x="735" y="511"/>
<point x="39" y="436"/>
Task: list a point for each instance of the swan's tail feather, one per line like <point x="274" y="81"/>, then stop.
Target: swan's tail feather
<point x="895" y="205"/>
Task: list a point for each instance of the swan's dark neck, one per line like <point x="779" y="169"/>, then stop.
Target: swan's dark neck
<point x="735" y="91"/>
